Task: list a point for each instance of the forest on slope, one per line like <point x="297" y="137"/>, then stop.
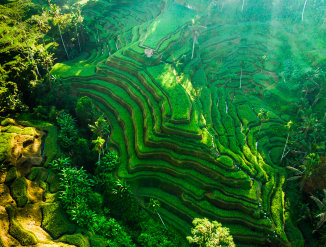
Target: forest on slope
<point x="154" y="113"/>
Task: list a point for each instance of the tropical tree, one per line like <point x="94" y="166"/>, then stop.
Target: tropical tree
<point x="101" y="128"/>
<point x="109" y="162"/>
<point x="153" y="206"/>
<point x="195" y="29"/>
<point x="263" y="116"/>
<point x="288" y="126"/>
<point x="209" y="234"/>
<point x="77" y="20"/>
<point x="307" y="172"/>
<point x="58" y="20"/>
<point x="99" y="142"/>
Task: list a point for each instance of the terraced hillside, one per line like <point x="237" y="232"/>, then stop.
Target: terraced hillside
<point x="188" y="129"/>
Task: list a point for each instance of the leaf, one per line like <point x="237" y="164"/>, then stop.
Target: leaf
<point x="294" y="178"/>
<point x="319" y="203"/>
<point x="295" y="170"/>
<point x="321" y="221"/>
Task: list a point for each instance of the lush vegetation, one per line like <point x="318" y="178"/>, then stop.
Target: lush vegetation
<point x="170" y="113"/>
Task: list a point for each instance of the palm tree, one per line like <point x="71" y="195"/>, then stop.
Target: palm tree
<point x="101" y="127"/>
<point x="288" y="126"/>
<point x="154" y="205"/>
<point x="195" y="30"/>
<point x="78" y="19"/>
<point x="263" y="115"/>
<point x="306" y="171"/>
<point x="30" y="54"/>
<point x="58" y="19"/>
<point x="99" y="142"/>
<point x="322" y="208"/>
<point x="304" y="6"/>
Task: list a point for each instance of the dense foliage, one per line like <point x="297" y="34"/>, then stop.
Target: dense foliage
<point x="209" y="234"/>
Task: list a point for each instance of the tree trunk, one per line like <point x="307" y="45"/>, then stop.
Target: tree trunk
<point x="304" y="6"/>
<point x="243" y="1"/>
<point x="240" y="78"/>
<point x="63" y="43"/>
<point x="286" y="143"/>
<point x="193" y="47"/>
<point x="161" y="219"/>
<point x="78" y="39"/>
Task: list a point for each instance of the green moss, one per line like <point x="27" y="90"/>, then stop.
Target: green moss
<point x="7" y="121"/>
<point x="54" y="182"/>
<point x="76" y="239"/>
<point x="51" y="145"/>
<point x="5" y="141"/>
<point x="55" y="220"/>
<point x="17" y="231"/>
<point x="28" y="131"/>
<point x="11" y="175"/>
<point x="35" y="171"/>
<point x="18" y="191"/>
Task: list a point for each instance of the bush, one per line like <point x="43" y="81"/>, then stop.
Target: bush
<point x="68" y="133"/>
<point x="206" y="233"/>
<point x="108" y="163"/>
<point x="77" y="197"/>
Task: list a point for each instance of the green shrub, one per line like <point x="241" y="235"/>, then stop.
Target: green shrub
<point x="77" y="196"/>
<point x="85" y="111"/>
<point x="68" y="133"/>
<point x="108" y="163"/>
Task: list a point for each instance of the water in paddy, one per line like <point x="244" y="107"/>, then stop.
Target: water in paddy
<point x="203" y="98"/>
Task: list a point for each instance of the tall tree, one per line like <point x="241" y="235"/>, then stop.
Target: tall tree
<point x="58" y="20"/>
<point x="99" y="142"/>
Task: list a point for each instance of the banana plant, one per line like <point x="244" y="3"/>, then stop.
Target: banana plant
<point x="321" y="204"/>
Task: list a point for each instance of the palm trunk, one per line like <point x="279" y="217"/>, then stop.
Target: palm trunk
<point x="99" y="156"/>
<point x="193" y="47"/>
<point x="47" y="69"/>
<point x="161" y="219"/>
<point x="240" y="78"/>
<point x="32" y="58"/>
<point x="304" y="6"/>
<point x="78" y="39"/>
<point x="63" y="43"/>
<point x="286" y="143"/>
